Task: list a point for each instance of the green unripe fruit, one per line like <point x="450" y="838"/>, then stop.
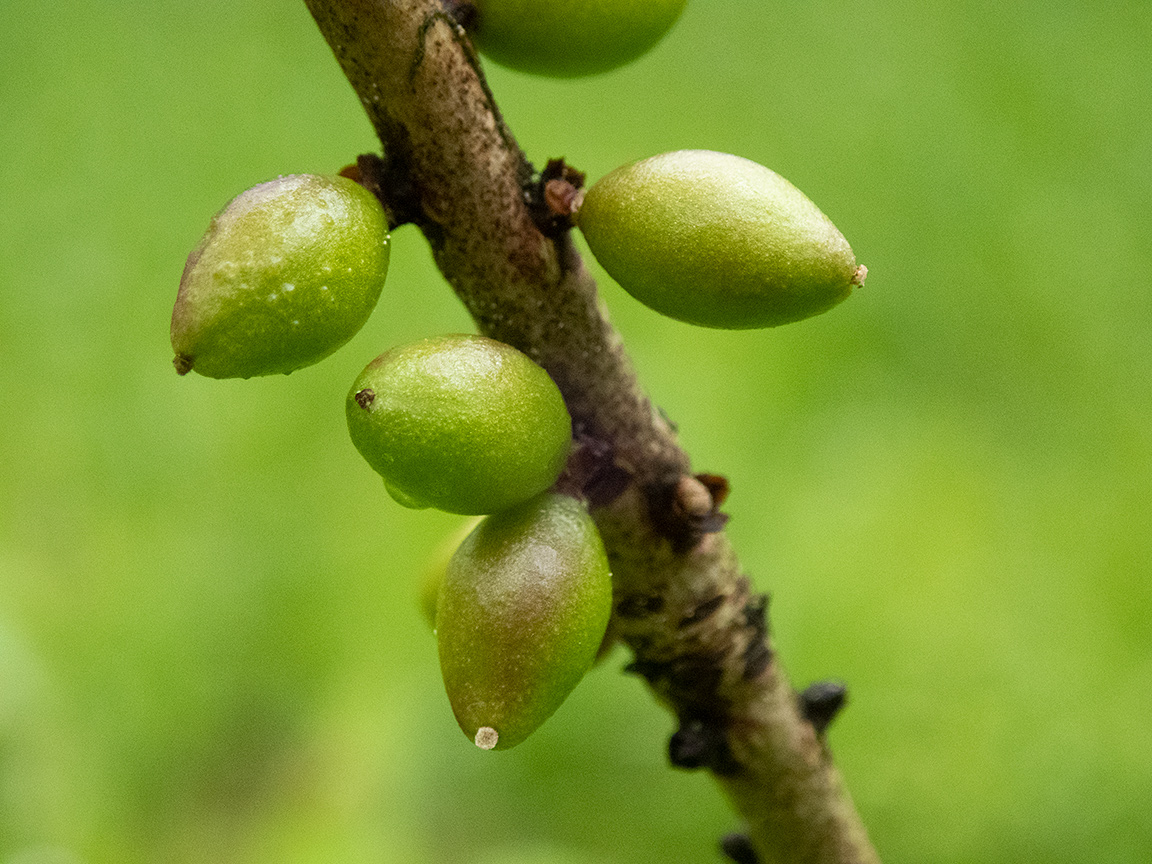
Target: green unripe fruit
<point x="716" y="240"/>
<point x="521" y="614"/>
<point x="461" y="423"/>
<point x="567" y="38"/>
<point x="286" y="273"/>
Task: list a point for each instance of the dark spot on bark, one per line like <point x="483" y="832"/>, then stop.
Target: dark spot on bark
<point x="700" y="742"/>
<point x="757" y="656"/>
<point x="390" y="180"/>
<point x="738" y="848"/>
<point x="693" y="676"/>
<point x="821" y="702"/>
<point x="639" y="605"/>
<point x="365" y="397"/>
<point x="462" y="11"/>
<point x="690" y="682"/>
<point x="651" y="670"/>
<point x="593" y="472"/>
<point x="693" y="745"/>
<point x="702" y="611"/>
<point x="756" y="614"/>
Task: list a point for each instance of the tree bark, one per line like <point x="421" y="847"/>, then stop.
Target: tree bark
<point x="697" y="631"/>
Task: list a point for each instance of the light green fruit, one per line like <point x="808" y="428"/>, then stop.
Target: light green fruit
<point x="567" y="38"/>
<point x="716" y="240"/>
<point x="522" y="611"/>
<point x="286" y="273"/>
<point x="460" y="423"/>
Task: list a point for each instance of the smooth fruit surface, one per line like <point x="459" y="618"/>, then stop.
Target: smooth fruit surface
<point x="521" y="613"/>
<point x="286" y="273"/>
<point x="566" y="38"/>
<point x="461" y="423"/>
<point x="716" y="240"/>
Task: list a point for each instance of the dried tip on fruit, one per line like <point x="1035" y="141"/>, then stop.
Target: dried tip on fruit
<point x="183" y="364"/>
<point x="859" y="276"/>
<point x="520" y="617"/>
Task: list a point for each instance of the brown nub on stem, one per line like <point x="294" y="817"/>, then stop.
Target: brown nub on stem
<point x="859" y="276"/>
<point x="183" y="364"/>
<point x="562" y="198"/>
<point x="693" y="497"/>
<point x="486" y="737"/>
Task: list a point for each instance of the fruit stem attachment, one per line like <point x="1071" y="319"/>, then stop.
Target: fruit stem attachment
<point x="562" y="198"/>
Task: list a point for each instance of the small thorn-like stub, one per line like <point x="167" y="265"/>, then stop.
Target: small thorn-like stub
<point x="717" y="485"/>
<point x="684" y="508"/>
<point x="738" y="848"/>
<point x="183" y="364"/>
<point x="562" y="198"/>
<point x="690" y="746"/>
<point x="554" y="196"/>
<point x="699" y="744"/>
<point x="351" y="172"/>
<point x="859" y="276"/>
<point x="693" y="497"/>
<point x="364" y="398"/>
<point x="821" y="702"/>
<point x="592" y="472"/>
<point x="486" y="737"/>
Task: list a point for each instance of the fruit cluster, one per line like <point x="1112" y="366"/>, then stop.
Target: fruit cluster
<point x="291" y="269"/>
<point x="470" y="425"/>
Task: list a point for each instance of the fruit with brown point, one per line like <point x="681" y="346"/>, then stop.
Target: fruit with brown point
<point x="286" y="273"/>
<point x="716" y="240"/>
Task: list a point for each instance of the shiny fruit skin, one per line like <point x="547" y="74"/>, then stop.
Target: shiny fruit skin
<point x="570" y="38"/>
<point x="521" y="614"/>
<point x="461" y="423"/>
<point x="716" y="240"/>
<point x="287" y="272"/>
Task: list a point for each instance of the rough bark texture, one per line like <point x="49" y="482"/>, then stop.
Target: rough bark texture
<point x="698" y="633"/>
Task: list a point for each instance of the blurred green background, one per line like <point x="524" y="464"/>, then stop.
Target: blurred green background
<point x="210" y="649"/>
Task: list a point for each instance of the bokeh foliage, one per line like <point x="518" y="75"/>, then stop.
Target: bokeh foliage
<point x="210" y="649"/>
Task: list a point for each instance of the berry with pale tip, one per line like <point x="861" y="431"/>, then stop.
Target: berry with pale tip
<point x="521" y="615"/>
<point x="716" y="240"/>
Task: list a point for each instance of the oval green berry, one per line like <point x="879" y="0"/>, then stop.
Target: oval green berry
<point x="460" y="423"/>
<point x="568" y="38"/>
<point x="716" y="240"/>
<point x="286" y="273"/>
<point x="521" y="614"/>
